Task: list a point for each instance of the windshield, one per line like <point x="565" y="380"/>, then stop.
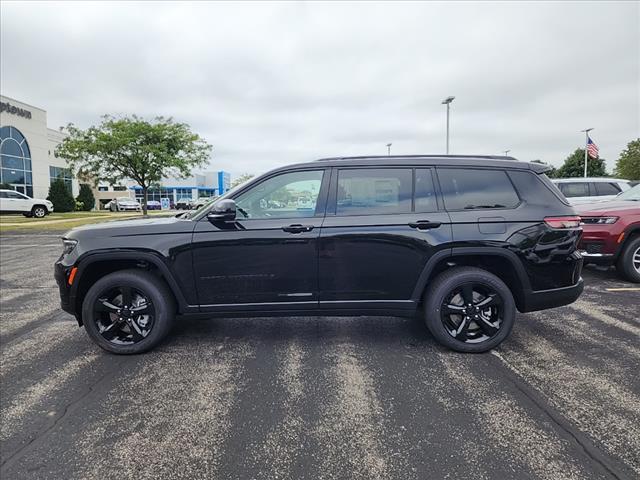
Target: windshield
<point x="632" y="194"/>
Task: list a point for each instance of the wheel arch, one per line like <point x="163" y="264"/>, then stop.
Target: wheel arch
<point x="503" y="263"/>
<point x="97" y="265"/>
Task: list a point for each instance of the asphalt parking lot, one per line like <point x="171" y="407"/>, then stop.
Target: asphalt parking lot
<point x="316" y="398"/>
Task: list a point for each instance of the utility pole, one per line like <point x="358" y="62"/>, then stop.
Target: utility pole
<point x="447" y="101"/>
<point x="586" y="145"/>
<point x="389" y="149"/>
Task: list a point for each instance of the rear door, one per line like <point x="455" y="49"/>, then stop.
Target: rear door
<point x="382" y="226"/>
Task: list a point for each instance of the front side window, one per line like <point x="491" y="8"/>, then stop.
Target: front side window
<point x="289" y="195"/>
<point x="370" y="191"/>
<point x="467" y="189"/>
<point x="575" y="189"/>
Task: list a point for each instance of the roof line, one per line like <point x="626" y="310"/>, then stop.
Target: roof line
<point x="363" y="157"/>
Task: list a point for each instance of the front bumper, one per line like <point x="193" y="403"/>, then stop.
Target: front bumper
<point x="598" y="258"/>
<point x="61" y="274"/>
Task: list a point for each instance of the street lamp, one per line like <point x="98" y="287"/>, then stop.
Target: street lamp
<point x="447" y="101"/>
<point x="389" y="149"/>
<point x="586" y="147"/>
<point x="506" y="153"/>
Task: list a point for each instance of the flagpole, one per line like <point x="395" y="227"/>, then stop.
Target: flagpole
<point x="586" y="147"/>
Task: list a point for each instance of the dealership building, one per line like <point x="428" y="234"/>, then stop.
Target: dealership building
<point x="29" y="163"/>
<point x="27" y="151"/>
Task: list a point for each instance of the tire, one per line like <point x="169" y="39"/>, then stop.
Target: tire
<point x="39" y="211"/>
<point x="160" y="309"/>
<point x="628" y="263"/>
<point x="488" y="321"/>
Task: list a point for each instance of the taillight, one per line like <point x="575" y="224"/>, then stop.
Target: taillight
<point x="563" y="222"/>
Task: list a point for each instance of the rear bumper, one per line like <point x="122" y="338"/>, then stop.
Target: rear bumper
<point x="557" y="297"/>
<point x="598" y="258"/>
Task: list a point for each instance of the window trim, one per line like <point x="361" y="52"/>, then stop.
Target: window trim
<point x="494" y="169"/>
<point x="320" y="203"/>
<point x="332" y="204"/>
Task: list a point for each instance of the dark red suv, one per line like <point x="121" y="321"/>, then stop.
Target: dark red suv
<point x="611" y="233"/>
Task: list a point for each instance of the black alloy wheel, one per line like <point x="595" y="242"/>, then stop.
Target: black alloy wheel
<point x="128" y="311"/>
<point x="469" y="309"/>
<point x="472" y="313"/>
<point x="124" y="315"/>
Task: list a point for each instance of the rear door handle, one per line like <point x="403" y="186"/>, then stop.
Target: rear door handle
<point x="297" y="228"/>
<point x="424" y="224"/>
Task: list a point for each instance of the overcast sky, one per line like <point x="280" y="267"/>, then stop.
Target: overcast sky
<point x="274" y="83"/>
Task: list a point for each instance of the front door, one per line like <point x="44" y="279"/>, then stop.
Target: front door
<point x="268" y="258"/>
<point x="381" y="228"/>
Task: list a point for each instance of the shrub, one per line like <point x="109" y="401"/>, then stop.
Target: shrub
<point x="86" y="198"/>
<point x="61" y="197"/>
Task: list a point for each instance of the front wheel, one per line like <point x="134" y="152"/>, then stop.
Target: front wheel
<point x="128" y="312"/>
<point x="39" y="211"/>
<point x="629" y="261"/>
<point x="469" y="309"/>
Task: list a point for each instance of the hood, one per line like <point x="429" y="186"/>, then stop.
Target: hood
<point x="124" y="228"/>
<point x="607" y="208"/>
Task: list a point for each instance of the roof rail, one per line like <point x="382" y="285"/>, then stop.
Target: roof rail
<point x="398" y="157"/>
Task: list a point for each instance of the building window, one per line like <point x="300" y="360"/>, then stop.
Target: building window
<point x="119" y="188"/>
<point x="103" y="189"/>
<point x="15" y="160"/>
<point x="183" y="193"/>
<point x="155" y="194"/>
<point x="206" y="192"/>
<point x="60" y="173"/>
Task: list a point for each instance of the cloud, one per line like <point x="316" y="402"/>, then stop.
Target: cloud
<point x="275" y="83"/>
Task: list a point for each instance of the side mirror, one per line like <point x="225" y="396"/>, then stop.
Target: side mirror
<point x="224" y="210"/>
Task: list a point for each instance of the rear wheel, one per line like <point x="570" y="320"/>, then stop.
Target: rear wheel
<point x="469" y="309"/>
<point x="629" y="261"/>
<point x="128" y="312"/>
<point x="39" y="211"/>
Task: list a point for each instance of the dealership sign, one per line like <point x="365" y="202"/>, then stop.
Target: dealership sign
<point x="21" y="112"/>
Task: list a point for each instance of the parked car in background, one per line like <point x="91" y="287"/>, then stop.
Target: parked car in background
<point x="16" y="202"/>
<point x="462" y="241"/>
<point x="590" y="189"/>
<point x="201" y="202"/>
<point x="611" y="233"/>
<point x="154" y="205"/>
<point x="125" y="204"/>
<point x="184" y="204"/>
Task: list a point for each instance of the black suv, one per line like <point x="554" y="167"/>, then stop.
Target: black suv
<point x="461" y="241"/>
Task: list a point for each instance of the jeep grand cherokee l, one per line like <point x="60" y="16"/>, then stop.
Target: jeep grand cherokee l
<point x="461" y="241"/>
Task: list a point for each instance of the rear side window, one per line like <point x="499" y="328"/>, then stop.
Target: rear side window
<point x="606" y="188"/>
<point x="374" y="191"/>
<point x="470" y="189"/>
<point x="574" y="189"/>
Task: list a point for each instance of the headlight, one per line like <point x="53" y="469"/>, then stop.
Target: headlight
<point x="68" y="245"/>
<point x="599" y="220"/>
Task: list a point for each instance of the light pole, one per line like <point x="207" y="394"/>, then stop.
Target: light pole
<point x="586" y="147"/>
<point x="506" y="153"/>
<point x="447" y="101"/>
<point x="389" y="149"/>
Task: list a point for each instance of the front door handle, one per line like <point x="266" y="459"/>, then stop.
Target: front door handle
<point x="424" y="224"/>
<point x="297" y="228"/>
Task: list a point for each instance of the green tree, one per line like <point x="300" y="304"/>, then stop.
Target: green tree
<point x="85" y="196"/>
<point x="573" y="166"/>
<point x="61" y="197"/>
<point x="5" y="186"/>
<point x="133" y="148"/>
<point x="241" y="179"/>
<point x="552" y="172"/>
<point x="628" y="165"/>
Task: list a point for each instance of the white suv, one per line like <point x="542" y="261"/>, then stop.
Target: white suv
<point x="591" y="189"/>
<point x="16" y="202"/>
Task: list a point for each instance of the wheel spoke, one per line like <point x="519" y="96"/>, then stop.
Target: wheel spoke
<point x="489" y="301"/>
<point x="461" y="332"/>
<point x="467" y="293"/>
<point x="450" y="309"/>
<point x="110" y="331"/>
<point x="105" y="306"/>
<point x="141" y="309"/>
<point x="486" y="326"/>
<point x="135" y="330"/>
<point x="127" y="295"/>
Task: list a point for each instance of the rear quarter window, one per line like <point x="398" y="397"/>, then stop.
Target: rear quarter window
<point x="606" y="188"/>
<point x="475" y="188"/>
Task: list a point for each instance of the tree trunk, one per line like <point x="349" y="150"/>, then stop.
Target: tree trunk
<point x="145" y="195"/>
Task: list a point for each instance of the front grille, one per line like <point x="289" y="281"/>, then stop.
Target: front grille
<point x="594" y="247"/>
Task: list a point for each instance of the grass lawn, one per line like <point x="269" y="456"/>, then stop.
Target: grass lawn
<point x="67" y="220"/>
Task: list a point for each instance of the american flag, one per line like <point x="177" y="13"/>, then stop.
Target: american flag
<point x="592" y="148"/>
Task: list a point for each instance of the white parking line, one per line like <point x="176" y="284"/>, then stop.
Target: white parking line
<point x="629" y="289"/>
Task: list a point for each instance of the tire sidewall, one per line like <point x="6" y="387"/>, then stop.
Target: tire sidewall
<point x="153" y="289"/>
<point x="625" y="263"/>
<point x="452" y="279"/>
<point x="39" y="208"/>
